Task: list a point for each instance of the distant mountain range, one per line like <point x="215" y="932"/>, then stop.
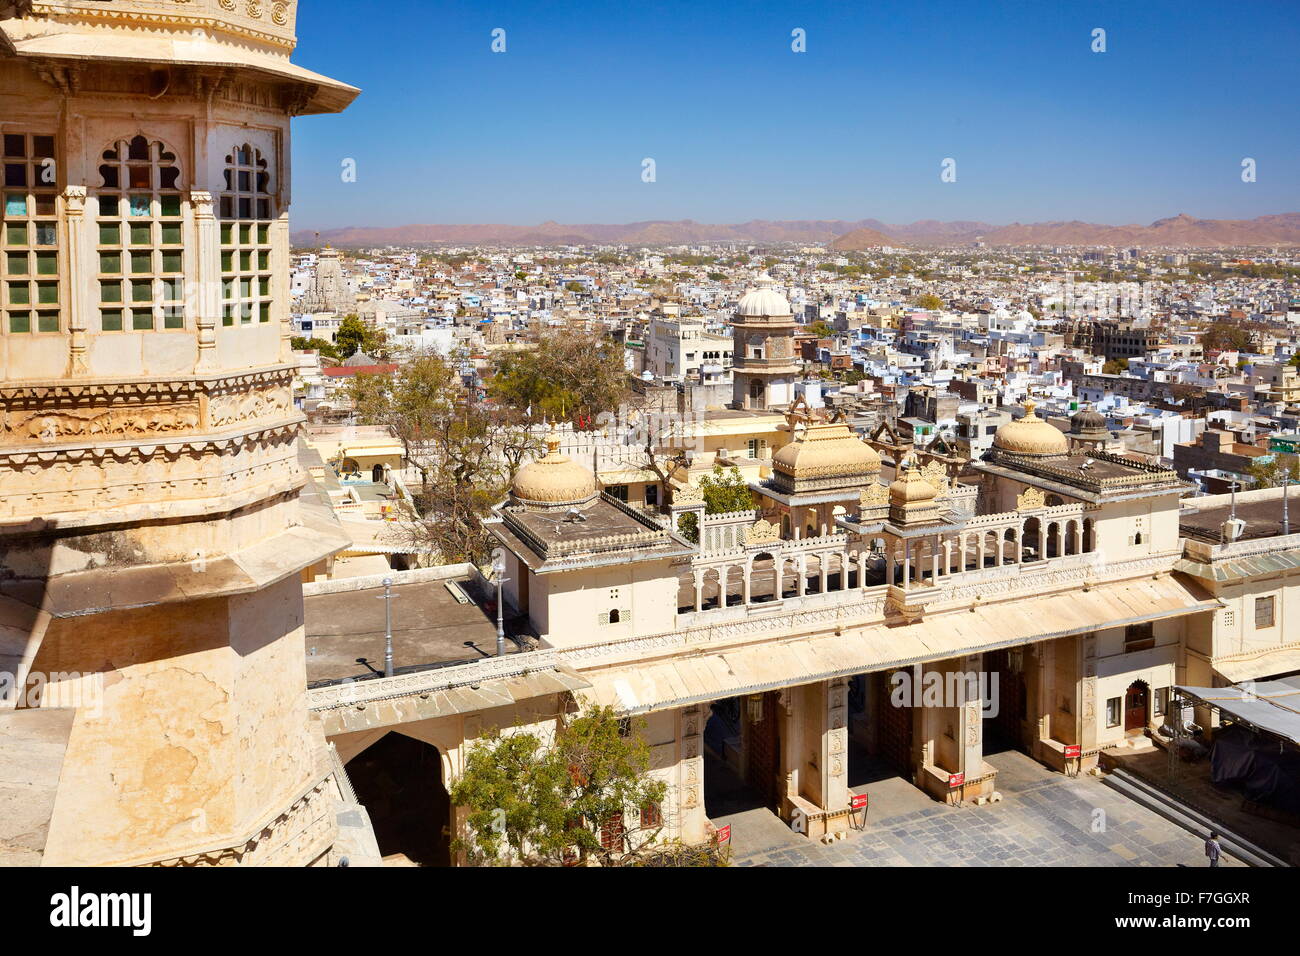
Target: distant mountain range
<point x="1181" y="230"/>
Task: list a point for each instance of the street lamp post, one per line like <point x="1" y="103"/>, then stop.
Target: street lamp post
<point x="388" y="627"/>
<point x="499" y="570"/>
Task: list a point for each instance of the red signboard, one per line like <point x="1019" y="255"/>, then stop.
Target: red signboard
<point x="956" y="779"/>
<point x="1072" y="750"/>
<point x="857" y="801"/>
<point x="724" y="834"/>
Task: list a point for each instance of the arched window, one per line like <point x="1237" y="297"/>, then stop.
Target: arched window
<point x="141" y="246"/>
<point x="613" y="616"/>
<point x="246" y="214"/>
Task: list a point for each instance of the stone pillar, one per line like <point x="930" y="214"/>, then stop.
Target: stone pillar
<point x="814" y="758"/>
<point x="699" y="591"/>
<point x="693" y="825"/>
<point x="951" y="728"/>
<point x="280" y="258"/>
<point x="73" y="293"/>
<point x="1067" y="703"/>
<point x="205" y="303"/>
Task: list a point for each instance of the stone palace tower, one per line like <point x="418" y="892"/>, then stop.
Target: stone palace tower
<point x="765" y="367"/>
<point x="152" y="542"/>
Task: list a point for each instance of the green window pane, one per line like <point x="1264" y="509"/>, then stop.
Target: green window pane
<point x="263" y="235"/>
<point x="110" y="234"/>
<point x="227" y="315"/>
<point x="15" y="204"/>
<point x="170" y="205"/>
<point x="20" y="322"/>
<point x="171" y="289"/>
<point x="47" y="263"/>
<point x="47" y="322"/>
<point x="173" y="319"/>
<point x="16" y="264"/>
<point x="246" y="261"/>
<point x="245" y="235"/>
<point x="228" y="290"/>
<point x="171" y="234"/>
<point x="227" y="234"/>
<point x="227" y="262"/>
<point x="140" y="234"/>
<point x="264" y="285"/>
<point x="108" y="206"/>
<point x="141" y="290"/>
<point x="265" y="312"/>
<point x="245" y="288"/>
<point x="110" y="263"/>
<point x="19" y="293"/>
<point x="141" y="262"/>
<point x="171" y="262"/>
<point x="142" y="320"/>
<point x="16" y="234"/>
<point x="110" y="320"/>
<point x="47" y="293"/>
<point x="110" y="292"/>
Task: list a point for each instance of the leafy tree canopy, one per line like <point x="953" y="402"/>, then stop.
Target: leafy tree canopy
<point x="533" y="804"/>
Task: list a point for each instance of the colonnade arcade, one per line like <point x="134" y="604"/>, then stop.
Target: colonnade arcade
<point x="985" y="542"/>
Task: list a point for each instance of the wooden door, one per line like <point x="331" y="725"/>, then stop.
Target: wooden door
<point x="1135" y="708"/>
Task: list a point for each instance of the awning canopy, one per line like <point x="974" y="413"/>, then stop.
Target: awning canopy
<point x="1272" y="706"/>
<point x="1265" y="664"/>
<point x="800" y="660"/>
<point x="342" y="717"/>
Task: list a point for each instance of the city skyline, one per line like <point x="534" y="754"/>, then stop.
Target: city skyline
<point x="740" y="127"/>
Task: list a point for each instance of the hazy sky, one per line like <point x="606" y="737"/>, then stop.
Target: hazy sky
<point x="740" y="127"/>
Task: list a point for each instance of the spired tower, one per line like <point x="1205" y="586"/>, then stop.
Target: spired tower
<point x="152" y="545"/>
<point x="764" y="366"/>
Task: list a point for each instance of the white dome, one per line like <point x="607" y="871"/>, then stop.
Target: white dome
<point x="763" y="300"/>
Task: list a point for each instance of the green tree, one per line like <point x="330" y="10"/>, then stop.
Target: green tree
<point x="1115" y="367"/>
<point x="356" y="334"/>
<point x="1269" y="472"/>
<point x="930" y="302"/>
<point x="725" y="491"/>
<point x="568" y="373"/>
<point x="820" y="329"/>
<point x="533" y="805"/>
<point x="302" y="344"/>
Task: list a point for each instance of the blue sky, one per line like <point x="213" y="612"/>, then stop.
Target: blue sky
<point x="740" y="127"/>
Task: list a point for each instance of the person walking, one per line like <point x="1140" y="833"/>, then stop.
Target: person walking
<point x="1212" y="848"/>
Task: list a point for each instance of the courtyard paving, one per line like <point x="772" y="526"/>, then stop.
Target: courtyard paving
<point x="1044" y="819"/>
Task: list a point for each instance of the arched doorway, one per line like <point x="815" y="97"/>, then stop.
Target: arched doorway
<point x="1136" y="708"/>
<point x="398" y="779"/>
<point x="377" y="474"/>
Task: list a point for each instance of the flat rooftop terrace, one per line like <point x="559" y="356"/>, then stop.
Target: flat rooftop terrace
<point x="1263" y="519"/>
<point x="344" y="631"/>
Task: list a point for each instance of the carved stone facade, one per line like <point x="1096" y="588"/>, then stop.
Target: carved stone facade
<point x="152" y="532"/>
